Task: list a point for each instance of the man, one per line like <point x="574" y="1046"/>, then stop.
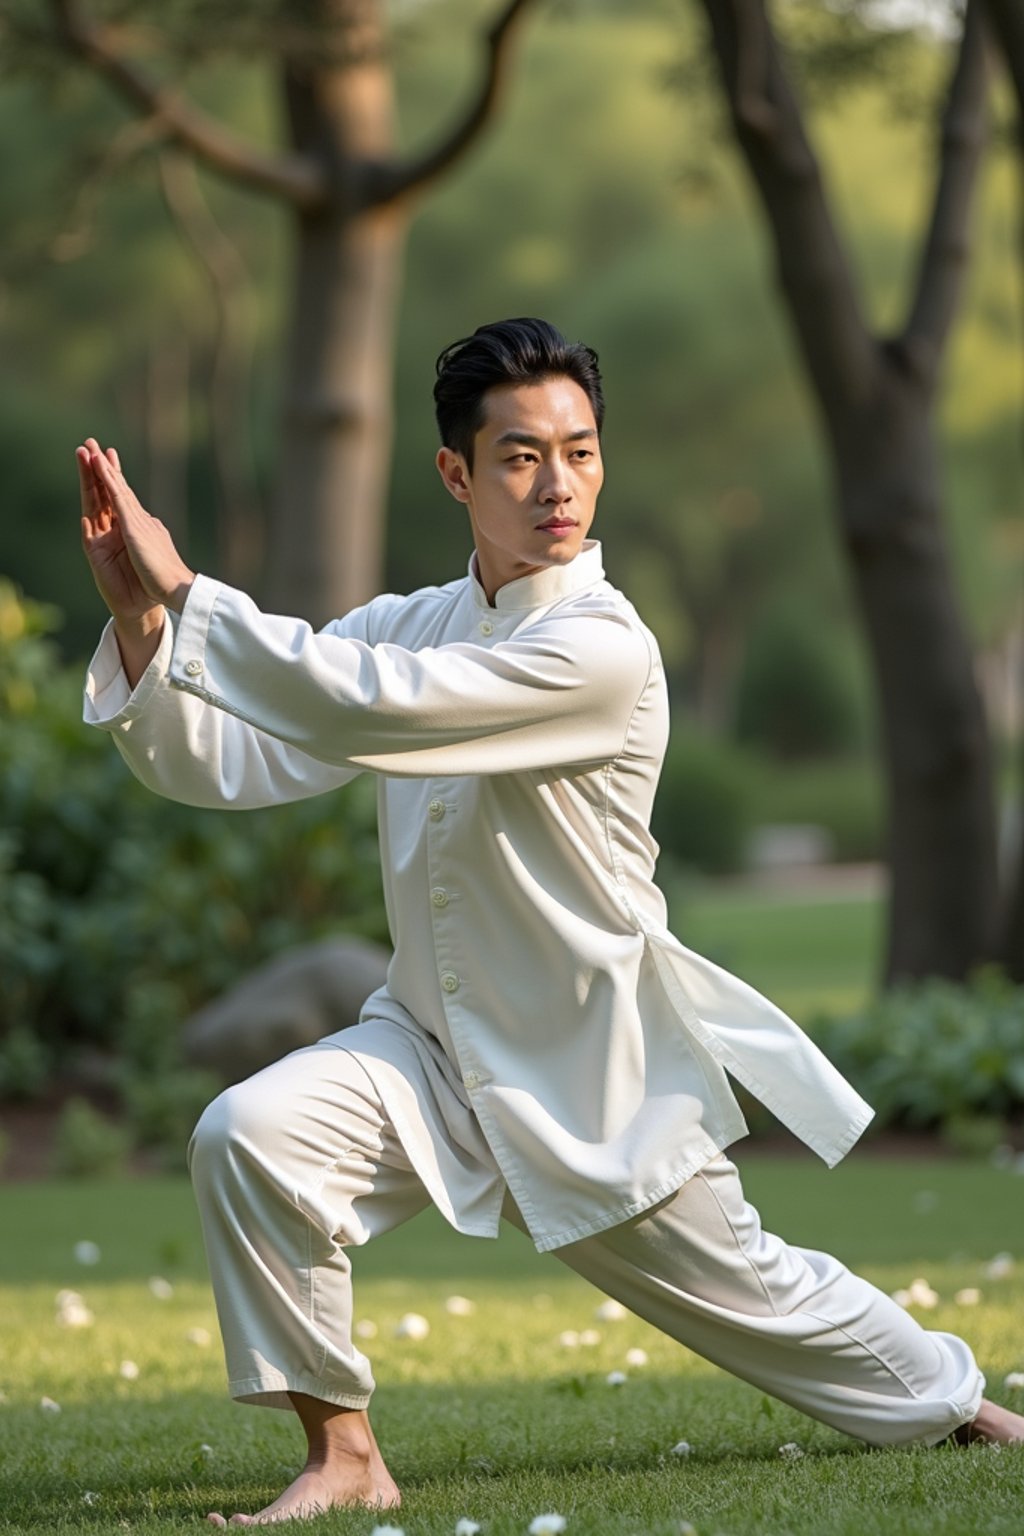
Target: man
<point x="543" y="1048"/>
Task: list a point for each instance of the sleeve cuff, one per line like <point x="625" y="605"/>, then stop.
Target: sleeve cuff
<point x="109" y="702"/>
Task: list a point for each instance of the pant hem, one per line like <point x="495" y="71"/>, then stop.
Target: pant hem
<point x="271" y="1391"/>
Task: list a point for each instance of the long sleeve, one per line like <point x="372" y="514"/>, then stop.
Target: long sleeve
<point x="187" y="751"/>
<point x="559" y="692"/>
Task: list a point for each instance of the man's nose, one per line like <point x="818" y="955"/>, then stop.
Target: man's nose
<point x="555" y="488"/>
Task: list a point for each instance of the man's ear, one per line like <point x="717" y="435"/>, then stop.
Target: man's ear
<point x="451" y="466"/>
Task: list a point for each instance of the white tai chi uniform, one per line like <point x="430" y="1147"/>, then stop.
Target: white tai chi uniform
<point x="542" y="1042"/>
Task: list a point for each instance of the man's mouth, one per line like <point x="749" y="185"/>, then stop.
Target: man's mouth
<point x="558" y="524"/>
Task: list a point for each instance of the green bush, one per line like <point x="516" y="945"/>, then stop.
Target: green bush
<point x="120" y="913"/>
<point x="795" y="697"/>
<point x="937" y="1055"/>
<point x="88" y="1144"/>
<point x="702" y="814"/>
<point x="843" y="795"/>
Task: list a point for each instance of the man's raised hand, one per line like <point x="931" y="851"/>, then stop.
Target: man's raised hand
<point x="133" y="559"/>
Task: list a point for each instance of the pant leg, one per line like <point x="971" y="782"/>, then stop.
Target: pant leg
<point x="290" y="1168"/>
<point x="791" y="1321"/>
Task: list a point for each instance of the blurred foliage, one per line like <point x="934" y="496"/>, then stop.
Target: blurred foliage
<point x="794" y="696"/>
<point x="702" y="813"/>
<point x="577" y="205"/>
<point x="88" y="1144"/>
<point x="713" y="794"/>
<point x="120" y="913"/>
<point x="937" y="1055"/>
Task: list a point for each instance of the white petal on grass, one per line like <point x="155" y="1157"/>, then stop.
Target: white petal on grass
<point x="162" y="1289"/>
<point x="48" y="1405"/>
<point x="968" y="1297"/>
<point x="684" y="1528"/>
<point x="999" y="1267"/>
<point x="570" y="1339"/>
<point x="790" y="1451"/>
<point x="129" y="1370"/>
<point x="412" y="1326"/>
<point x="206" y="1451"/>
<point x="89" y="1497"/>
<point x="459" y="1306"/>
<point x="365" y="1329"/>
<point x="610" y="1311"/>
<point x="387" y="1530"/>
<point x="87" y="1252"/>
<point x="922" y="1295"/>
<point x="682" y="1448"/>
<point x="616" y="1378"/>
<point x="74" y="1314"/>
<point x="1014" y="1381"/>
<point x="547" y="1525"/>
<point x="637" y="1357"/>
<point x="200" y="1336"/>
<point x="466" y="1527"/>
<point x="589" y="1337"/>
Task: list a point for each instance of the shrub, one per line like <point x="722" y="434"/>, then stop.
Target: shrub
<point x="87" y="1144"/>
<point x="937" y="1055"/>
<point x="795" y="696"/>
<point x="120" y="913"/>
<point x="845" y="796"/>
<point x="702" y="813"/>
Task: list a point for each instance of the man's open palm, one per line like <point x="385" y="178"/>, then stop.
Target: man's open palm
<point x="132" y="556"/>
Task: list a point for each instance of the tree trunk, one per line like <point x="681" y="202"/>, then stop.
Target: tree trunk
<point x="1008" y="26"/>
<point x="325" y="550"/>
<point x="939" y="772"/>
<point x="876" y="398"/>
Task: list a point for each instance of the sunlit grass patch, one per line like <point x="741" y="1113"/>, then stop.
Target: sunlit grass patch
<point x="503" y="1412"/>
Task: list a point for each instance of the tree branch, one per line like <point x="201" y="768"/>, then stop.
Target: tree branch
<point x="813" y="271"/>
<point x="399" y="179"/>
<point x="295" y="178"/>
<point x="947" y="245"/>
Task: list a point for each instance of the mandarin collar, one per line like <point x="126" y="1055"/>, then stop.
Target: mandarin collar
<point x="542" y="587"/>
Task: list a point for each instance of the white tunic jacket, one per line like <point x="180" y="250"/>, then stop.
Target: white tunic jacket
<point x="540" y="1026"/>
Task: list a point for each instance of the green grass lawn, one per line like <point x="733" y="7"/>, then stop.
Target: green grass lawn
<point x="490" y="1417"/>
<point x="807" y="954"/>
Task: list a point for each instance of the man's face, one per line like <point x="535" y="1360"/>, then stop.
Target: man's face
<point x="533" y="488"/>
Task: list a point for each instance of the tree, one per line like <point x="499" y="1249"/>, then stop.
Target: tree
<point x="351" y="195"/>
<point x="876" y="395"/>
<point x="1007" y="20"/>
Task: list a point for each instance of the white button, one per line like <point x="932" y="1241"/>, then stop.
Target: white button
<point x="450" y="981"/>
<point x="435" y="810"/>
<point x="193" y="668"/>
<point x="472" y="1079"/>
<point x="486" y="627"/>
<point x="439" y="896"/>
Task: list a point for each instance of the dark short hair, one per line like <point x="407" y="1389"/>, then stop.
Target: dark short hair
<point x="506" y="352"/>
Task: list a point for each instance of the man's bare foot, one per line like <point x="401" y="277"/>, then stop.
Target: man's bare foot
<point x="344" y="1467"/>
<point x="993" y="1426"/>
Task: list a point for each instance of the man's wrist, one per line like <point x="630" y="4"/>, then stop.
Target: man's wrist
<point x="136" y="627"/>
<point x="176" y="599"/>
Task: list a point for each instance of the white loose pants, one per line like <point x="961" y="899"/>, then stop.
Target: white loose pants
<point x="299" y="1163"/>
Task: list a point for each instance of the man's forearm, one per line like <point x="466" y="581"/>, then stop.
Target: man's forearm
<point x="138" y="640"/>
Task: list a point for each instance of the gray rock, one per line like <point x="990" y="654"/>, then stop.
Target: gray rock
<point x="294" y="999"/>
